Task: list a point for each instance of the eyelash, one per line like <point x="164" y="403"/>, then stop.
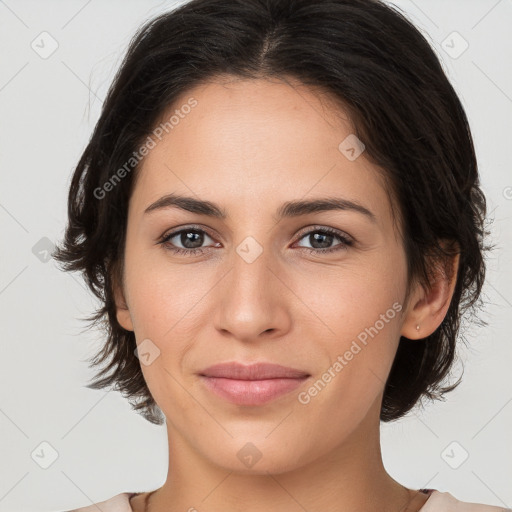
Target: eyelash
<point x="345" y="241"/>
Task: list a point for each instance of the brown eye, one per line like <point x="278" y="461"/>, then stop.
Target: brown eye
<point x="321" y="240"/>
<point x="190" y="239"/>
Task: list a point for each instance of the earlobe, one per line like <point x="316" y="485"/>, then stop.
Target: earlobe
<point x="122" y="311"/>
<point x="428" y="308"/>
<point x="124" y="318"/>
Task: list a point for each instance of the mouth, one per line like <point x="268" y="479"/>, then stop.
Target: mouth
<point x="251" y="385"/>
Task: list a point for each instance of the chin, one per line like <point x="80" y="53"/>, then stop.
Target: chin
<point x="258" y="458"/>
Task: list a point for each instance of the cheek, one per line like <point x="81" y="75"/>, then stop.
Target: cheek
<point x="360" y="311"/>
<point x="352" y="297"/>
<point x="164" y="298"/>
<point x="360" y="358"/>
<point x="169" y="307"/>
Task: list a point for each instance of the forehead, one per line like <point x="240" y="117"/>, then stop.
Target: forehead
<point x="247" y="139"/>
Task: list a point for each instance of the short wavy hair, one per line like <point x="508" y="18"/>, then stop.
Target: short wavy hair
<point x="372" y="60"/>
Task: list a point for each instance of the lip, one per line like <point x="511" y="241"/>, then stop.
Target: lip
<point x="254" y="384"/>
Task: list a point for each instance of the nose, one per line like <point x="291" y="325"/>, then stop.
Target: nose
<point x="253" y="301"/>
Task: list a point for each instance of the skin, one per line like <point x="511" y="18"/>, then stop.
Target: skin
<point x="250" y="146"/>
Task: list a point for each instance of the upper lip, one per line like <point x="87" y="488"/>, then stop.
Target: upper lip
<point x="257" y="371"/>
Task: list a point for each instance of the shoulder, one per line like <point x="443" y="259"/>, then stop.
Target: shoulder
<point x="445" y="502"/>
<point x="118" y="503"/>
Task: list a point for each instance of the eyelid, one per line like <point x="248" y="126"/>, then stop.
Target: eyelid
<point x="318" y="227"/>
<point x="186" y="227"/>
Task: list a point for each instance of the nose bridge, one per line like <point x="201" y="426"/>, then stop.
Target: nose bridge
<point x="250" y="276"/>
<point x="251" y="302"/>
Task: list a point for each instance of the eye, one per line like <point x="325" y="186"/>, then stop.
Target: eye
<point x="323" y="237"/>
<point x="190" y="238"/>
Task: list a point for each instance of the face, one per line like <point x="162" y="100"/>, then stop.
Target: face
<point x="317" y="290"/>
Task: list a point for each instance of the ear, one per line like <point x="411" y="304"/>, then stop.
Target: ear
<point x="122" y="312"/>
<point x="427" y="308"/>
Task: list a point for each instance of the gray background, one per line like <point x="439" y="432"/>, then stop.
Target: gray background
<point x="48" y="107"/>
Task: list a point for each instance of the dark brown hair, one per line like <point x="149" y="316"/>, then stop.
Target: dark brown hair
<point x="368" y="57"/>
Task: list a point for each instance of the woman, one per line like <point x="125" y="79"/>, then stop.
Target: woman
<point x="280" y="211"/>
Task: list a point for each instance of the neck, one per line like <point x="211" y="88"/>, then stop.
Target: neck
<point x="349" y="477"/>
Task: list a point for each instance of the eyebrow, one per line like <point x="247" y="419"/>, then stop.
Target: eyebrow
<point x="288" y="209"/>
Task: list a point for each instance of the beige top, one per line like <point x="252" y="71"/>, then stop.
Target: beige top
<point x="437" y="502"/>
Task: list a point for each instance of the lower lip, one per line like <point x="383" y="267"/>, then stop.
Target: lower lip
<point x="251" y="392"/>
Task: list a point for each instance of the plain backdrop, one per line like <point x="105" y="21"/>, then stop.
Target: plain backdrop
<point x="63" y="445"/>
